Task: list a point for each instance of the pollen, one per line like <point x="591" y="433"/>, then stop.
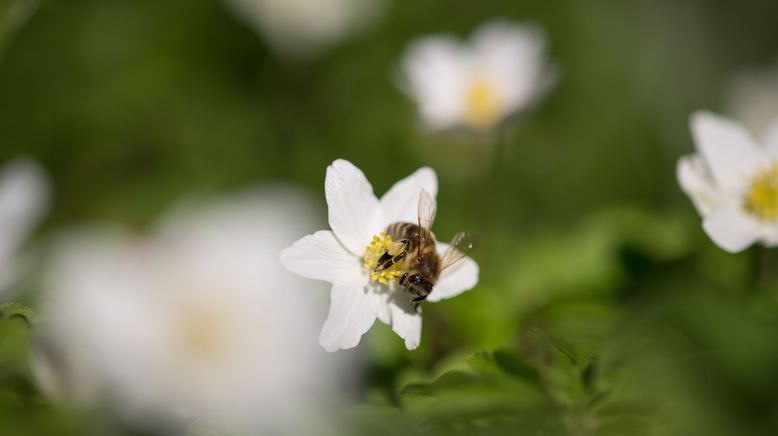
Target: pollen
<point x="481" y="103"/>
<point x="374" y="250"/>
<point x="762" y="197"/>
<point x="204" y="333"/>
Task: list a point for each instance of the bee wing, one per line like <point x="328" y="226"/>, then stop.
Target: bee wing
<point x="427" y="210"/>
<point x="462" y="245"/>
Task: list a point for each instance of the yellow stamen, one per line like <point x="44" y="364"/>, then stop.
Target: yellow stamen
<point x="762" y="198"/>
<point x="374" y="250"/>
<point x="482" y="107"/>
<point x="204" y="332"/>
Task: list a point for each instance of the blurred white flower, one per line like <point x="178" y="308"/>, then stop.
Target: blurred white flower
<point x="23" y="200"/>
<point x="752" y="97"/>
<point x="477" y="85"/>
<point x="356" y="217"/>
<point x="733" y="181"/>
<point x="198" y="318"/>
<point x="299" y="28"/>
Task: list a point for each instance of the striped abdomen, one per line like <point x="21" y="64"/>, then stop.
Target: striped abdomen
<point x="404" y="230"/>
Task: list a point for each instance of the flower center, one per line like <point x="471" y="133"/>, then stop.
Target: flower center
<point x="481" y="103"/>
<point x="374" y="250"/>
<point x="762" y="198"/>
<point x="204" y="333"/>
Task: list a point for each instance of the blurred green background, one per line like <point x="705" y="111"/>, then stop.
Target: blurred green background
<point x="602" y="307"/>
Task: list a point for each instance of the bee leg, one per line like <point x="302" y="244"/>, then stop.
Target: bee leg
<point x="393" y="250"/>
<point x="382" y="260"/>
<point x="391" y="260"/>
<point x="395" y="259"/>
<point x="397" y="247"/>
<point x="415" y="302"/>
<point x="403" y="278"/>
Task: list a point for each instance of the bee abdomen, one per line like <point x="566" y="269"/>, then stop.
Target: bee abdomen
<point x="403" y="230"/>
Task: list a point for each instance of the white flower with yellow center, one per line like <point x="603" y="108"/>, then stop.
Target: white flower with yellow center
<point x="733" y="181"/>
<point x="23" y="199"/>
<point x="345" y="257"/>
<point x="502" y="71"/>
<point x="300" y="28"/>
<point x="197" y="318"/>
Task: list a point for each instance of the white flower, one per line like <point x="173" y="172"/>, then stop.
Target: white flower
<point x="752" y="97"/>
<point x="197" y="318"/>
<point x="477" y="85"/>
<point x="733" y="181"/>
<point x="299" y="28"/>
<point x="23" y="199"/>
<point x="356" y="216"/>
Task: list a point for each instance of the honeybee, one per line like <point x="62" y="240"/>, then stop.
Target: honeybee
<point x="415" y="249"/>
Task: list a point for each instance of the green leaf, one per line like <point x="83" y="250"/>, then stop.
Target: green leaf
<point x="18" y="311"/>
<point x="363" y="419"/>
<point x="510" y="361"/>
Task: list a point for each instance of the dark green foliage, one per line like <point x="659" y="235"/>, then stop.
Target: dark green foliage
<point x="602" y="308"/>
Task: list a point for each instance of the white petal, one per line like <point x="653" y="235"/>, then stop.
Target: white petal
<point x="771" y="139"/>
<point x="23" y="199"/>
<point x="454" y="280"/>
<point x="384" y="314"/>
<point x="401" y="202"/>
<point x="729" y="149"/>
<point x="23" y="195"/>
<point x="435" y="70"/>
<point x="406" y="321"/>
<point x="303" y="29"/>
<point x="695" y="180"/>
<point x="353" y="310"/>
<point x="514" y="56"/>
<point x="730" y="228"/>
<point x="321" y="257"/>
<point x="353" y="207"/>
<point x="769" y="235"/>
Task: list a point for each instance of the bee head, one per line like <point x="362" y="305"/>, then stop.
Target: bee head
<point x="427" y="266"/>
<point x="418" y="283"/>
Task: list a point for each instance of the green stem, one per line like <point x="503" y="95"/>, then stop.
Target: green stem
<point x="499" y="172"/>
<point x="757" y="261"/>
<point x="16" y="17"/>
